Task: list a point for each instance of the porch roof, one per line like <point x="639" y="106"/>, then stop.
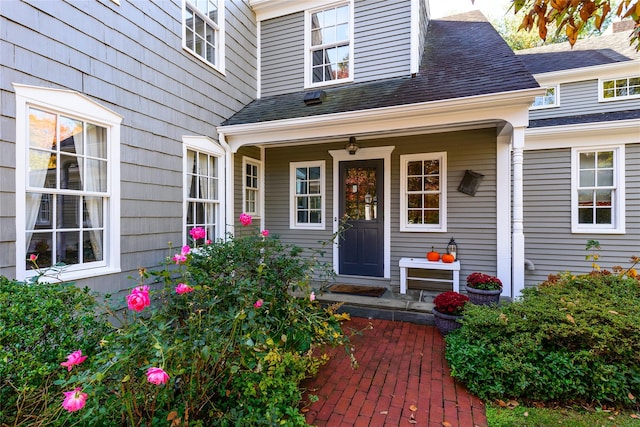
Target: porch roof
<point x="463" y="57"/>
<point x="609" y="116"/>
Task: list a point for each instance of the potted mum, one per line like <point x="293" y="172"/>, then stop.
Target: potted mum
<point x="447" y="311"/>
<point x="483" y="289"/>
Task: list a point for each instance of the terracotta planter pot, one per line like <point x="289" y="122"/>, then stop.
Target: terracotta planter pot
<point x="483" y="297"/>
<point x="446" y="322"/>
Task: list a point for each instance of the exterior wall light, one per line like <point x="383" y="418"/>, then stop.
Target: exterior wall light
<point x="351" y="146"/>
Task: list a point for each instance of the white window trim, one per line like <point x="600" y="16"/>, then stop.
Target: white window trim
<point x="601" y="97"/>
<point x="404" y="225"/>
<point x="618" y="214"/>
<point x="293" y="218"/>
<point x="554" y="105"/>
<point x="254" y="162"/>
<point x="308" y="79"/>
<point x="77" y="105"/>
<point x="219" y="65"/>
<point x="209" y="146"/>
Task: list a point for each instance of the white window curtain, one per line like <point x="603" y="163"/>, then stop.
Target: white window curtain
<point x="42" y="134"/>
<point x="94" y="178"/>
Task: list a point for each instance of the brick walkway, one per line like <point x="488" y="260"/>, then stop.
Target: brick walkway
<point x="402" y="380"/>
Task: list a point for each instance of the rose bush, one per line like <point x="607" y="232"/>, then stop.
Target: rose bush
<point x="231" y="351"/>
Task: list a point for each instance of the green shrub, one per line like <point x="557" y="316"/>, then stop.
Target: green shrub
<point x="39" y="325"/>
<point x="235" y="345"/>
<point x="575" y="339"/>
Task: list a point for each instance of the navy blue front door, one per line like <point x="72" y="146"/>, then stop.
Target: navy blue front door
<point x="362" y="243"/>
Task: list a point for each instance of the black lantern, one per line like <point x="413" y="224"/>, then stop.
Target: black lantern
<point x="452" y="248"/>
<point x="351" y="146"/>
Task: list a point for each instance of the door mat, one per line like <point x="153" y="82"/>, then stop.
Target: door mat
<point x="365" y="291"/>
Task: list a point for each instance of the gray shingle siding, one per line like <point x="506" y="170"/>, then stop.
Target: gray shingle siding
<point x="128" y="58"/>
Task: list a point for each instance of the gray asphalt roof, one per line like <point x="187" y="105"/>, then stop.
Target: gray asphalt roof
<point x="463" y="56"/>
<point x="589" y="52"/>
<point x="585" y="118"/>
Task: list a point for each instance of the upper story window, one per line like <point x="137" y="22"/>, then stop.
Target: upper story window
<point x="622" y="88"/>
<point x="550" y="99"/>
<point x="67" y="192"/>
<point x="204" y="180"/>
<point x="203" y="30"/>
<point x="307" y="194"/>
<point x="423" y="183"/>
<point x="329" y="45"/>
<point x="251" y="186"/>
<point x="598" y="190"/>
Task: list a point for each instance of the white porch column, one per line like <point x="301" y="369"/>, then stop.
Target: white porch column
<point x="228" y="217"/>
<point x="518" y="213"/>
<point x="503" y="209"/>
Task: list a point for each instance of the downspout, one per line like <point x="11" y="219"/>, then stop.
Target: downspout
<point x="529" y="265"/>
<point x="228" y="193"/>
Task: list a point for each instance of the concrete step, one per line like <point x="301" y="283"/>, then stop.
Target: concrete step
<point x="415" y="306"/>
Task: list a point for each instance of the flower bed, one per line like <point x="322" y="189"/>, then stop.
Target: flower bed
<point x="215" y="338"/>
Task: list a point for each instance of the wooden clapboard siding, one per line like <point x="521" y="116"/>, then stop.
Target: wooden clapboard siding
<point x="376" y="21"/>
<point x="382" y="45"/>
<point x="582" y="98"/>
<point x="549" y="242"/>
<point x="277" y="185"/>
<point x="471" y="219"/>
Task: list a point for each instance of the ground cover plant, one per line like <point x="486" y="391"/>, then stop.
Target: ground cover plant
<point x="573" y="339"/>
<point x="215" y="338"/>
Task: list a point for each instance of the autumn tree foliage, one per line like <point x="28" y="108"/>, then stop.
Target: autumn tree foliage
<point x="571" y="16"/>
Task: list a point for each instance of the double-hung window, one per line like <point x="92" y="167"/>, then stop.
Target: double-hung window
<point x="204" y="183"/>
<point x="203" y="30"/>
<point x="67" y="192"/>
<point x="251" y="187"/>
<point x="620" y="88"/>
<point x="550" y="99"/>
<point x="598" y="190"/>
<point x="423" y="184"/>
<point x="329" y="42"/>
<point x="307" y="194"/>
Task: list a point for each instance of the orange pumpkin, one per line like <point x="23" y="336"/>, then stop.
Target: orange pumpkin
<point x="432" y="255"/>
<point x="448" y="258"/>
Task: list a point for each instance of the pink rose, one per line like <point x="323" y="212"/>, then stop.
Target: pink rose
<point x="265" y="233"/>
<point x="183" y="288"/>
<point x="157" y="376"/>
<point x="138" y="299"/>
<point x="198" y="233"/>
<point x="245" y="219"/>
<point x="208" y="242"/>
<point x="33" y="257"/>
<point x="74" y="358"/>
<point x="74" y="400"/>
<point x="258" y="303"/>
<point x="182" y="256"/>
<point x="179" y="258"/>
<point x="312" y="297"/>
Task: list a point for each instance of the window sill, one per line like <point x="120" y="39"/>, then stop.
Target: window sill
<point x="70" y="276"/>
